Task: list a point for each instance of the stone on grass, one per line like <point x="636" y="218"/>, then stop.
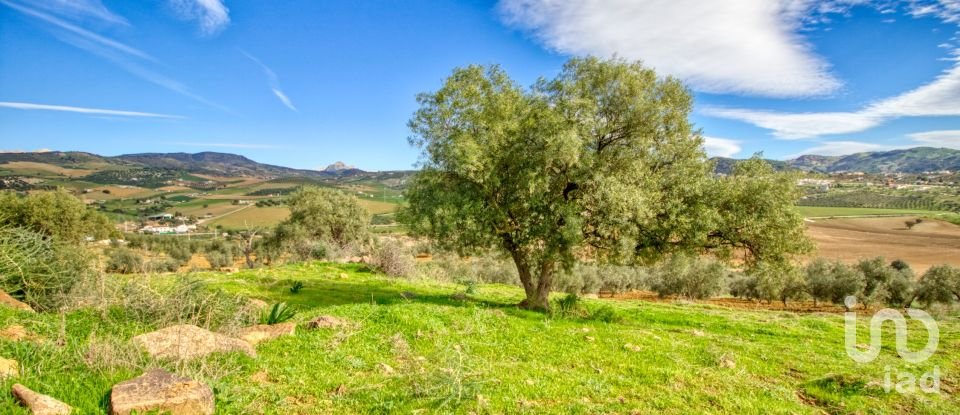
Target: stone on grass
<point x="187" y="341"/>
<point x="698" y="333"/>
<point x="7" y="300"/>
<point x="159" y="391"/>
<point x="326" y="322"/>
<point x="39" y="404"/>
<point x="263" y="332"/>
<point x="9" y="368"/>
<point x="258" y="303"/>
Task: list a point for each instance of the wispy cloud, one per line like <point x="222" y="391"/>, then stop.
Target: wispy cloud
<point x="273" y="81"/>
<point x="211" y="15"/>
<point x="224" y="145"/>
<point x="941" y="97"/>
<point x="81" y="33"/>
<point x="940" y="138"/>
<point x="721" y="147"/>
<point x="127" y="57"/>
<point x="83" y="110"/>
<point x="842" y="148"/>
<point x="746" y="46"/>
<point x="80" y="9"/>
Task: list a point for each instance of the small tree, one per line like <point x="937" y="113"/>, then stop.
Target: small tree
<point x="819" y="280"/>
<point x="940" y="284"/>
<point x="877" y="277"/>
<point x="56" y="214"/>
<point x="321" y="219"/>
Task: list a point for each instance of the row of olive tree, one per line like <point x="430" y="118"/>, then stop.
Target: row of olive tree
<point x="600" y="162"/>
<point x="870" y="281"/>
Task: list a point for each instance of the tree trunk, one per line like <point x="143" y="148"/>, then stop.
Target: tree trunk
<point x="538" y="292"/>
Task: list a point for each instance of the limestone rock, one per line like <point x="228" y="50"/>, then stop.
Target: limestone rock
<point x="39" y="404"/>
<point x="161" y="392"/>
<point x="189" y="342"/>
<point x="7" y="300"/>
<point x="9" y="368"/>
<point x="326" y="322"/>
<point x="262" y="332"/>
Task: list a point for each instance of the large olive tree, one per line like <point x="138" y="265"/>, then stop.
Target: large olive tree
<point x="599" y="162"/>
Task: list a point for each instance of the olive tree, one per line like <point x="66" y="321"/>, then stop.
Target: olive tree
<point x="600" y="161"/>
<point x="320" y="219"/>
<point x="56" y="214"/>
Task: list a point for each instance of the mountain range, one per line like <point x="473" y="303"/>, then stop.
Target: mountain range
<point x="911" y="160"/>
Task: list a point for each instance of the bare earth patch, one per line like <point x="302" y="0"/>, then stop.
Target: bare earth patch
<point x="929" y="243"/>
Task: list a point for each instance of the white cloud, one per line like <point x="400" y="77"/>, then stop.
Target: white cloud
<point x="721" y="147"/>
<point x="80" y="9"/>
<point x="941" y="138"/>
<point x="737" y="46"/>
<point x="223" y="145"/>
<point x="76" y="35"/>
<point x="125" y="56"/>
<point x="82" y="110"/>
<point x="842" y="148"/>
<point x="941" y="97"/>
<point x="273" y="81"/>
<point x="211" y="15"/>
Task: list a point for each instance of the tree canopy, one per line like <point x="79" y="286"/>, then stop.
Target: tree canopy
<point x="599" y="162"/>
<point x="320" y="219"/>
<point x="56" y="214"/>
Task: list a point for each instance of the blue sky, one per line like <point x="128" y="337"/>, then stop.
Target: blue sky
<point x="306" y="83"/>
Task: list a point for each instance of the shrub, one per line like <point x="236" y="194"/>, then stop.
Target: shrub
<point x="218" y="259"/>
<point x="38" y="270"/>
<point x="393" y="259"/>
<point x="124" y="261"/>
<point x="819" y="280"/>
<point x="940" y="284"/>
<point x="688" y="277"/>
<point x="900" y="290"/>
<point x="877" y="277"/>
<point x="847" y="281"/>
<point x="296" y="287"/>
<point x="593" y="278"/>
<point x="745" y="286"/>
<point x="162" y="302"/>
<point x="568" y="306"/>
<point x="163" y="265"/>
<point x="277" y="314"/>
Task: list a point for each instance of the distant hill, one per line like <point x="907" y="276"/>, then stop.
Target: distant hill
<point x="911" y="160"/>
<point x="219" y="164"/>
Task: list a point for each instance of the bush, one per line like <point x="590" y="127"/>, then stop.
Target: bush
<point x="296" y="287"/>
<point x="38" y="270"/>
<point x="124" y="261"/>
<point x="393" y="259"/>
<point x="877" y="277"/>
<point x="688" y="277"/>
<point x="833" y="281"/>
<point x="160" y="302"/>
<point x="218" y="259"/>
<point x="593" y="278"/>
<point x="163" y="265"/>
<point x="940" y="284"/>
<point x="277" y="314"/>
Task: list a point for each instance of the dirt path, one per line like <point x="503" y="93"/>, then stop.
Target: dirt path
<point x="929" y="243"/>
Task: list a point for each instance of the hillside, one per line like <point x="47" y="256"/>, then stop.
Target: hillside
<point x="911" y="160"/>
<point x="415" y="346"/>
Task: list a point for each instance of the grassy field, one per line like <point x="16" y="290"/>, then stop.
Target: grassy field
<point x="251" y="217"/>
<point x="427" y="352"/>
<point x="821" y="211"/>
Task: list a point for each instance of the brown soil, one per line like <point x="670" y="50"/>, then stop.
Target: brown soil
<point x="792" y="306"/>
<point x="929" y="243"/>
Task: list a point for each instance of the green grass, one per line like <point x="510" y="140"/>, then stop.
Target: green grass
<point x="483" y="355"/>
<point x="823" y="211"/>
